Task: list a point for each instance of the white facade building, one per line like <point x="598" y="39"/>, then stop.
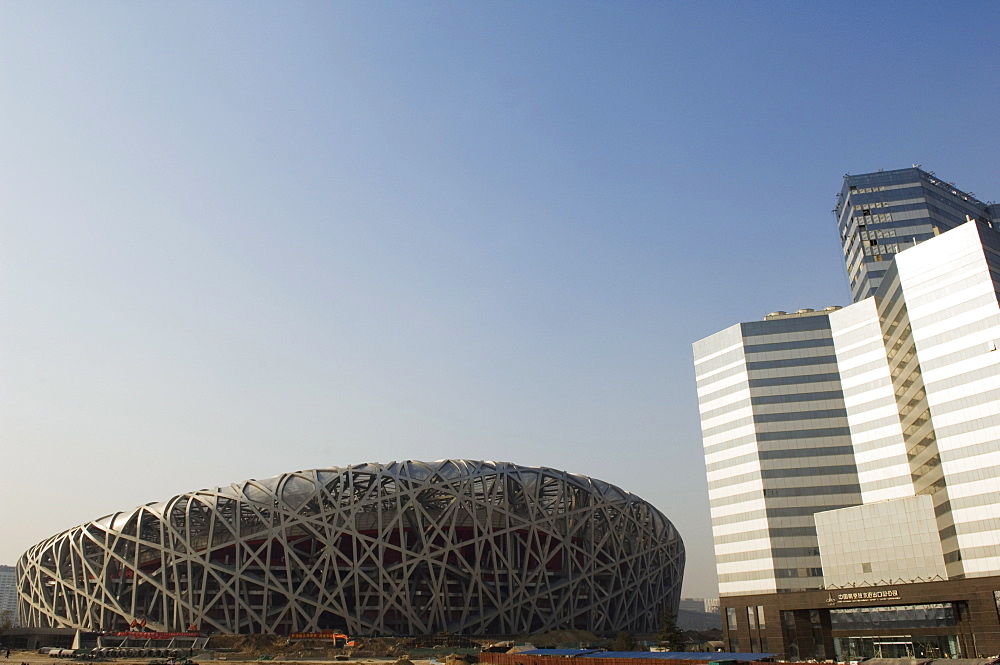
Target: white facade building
<point x="870" y="402"/>
<point x="777" y="448"/>
<point x="890" y="405"/>
<point x="853" y="455"/>
<point x="950" y="289"/>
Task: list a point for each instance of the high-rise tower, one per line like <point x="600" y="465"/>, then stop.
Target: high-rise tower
<point x="882" y="213"/>
<point x="777" y="448"/>
<point x="853" y="454"/>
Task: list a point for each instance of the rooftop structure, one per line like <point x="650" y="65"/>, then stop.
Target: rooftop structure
<point x="881" y="213"/>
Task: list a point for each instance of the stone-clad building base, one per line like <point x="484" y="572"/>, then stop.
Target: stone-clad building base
<point x="952" y="618"/>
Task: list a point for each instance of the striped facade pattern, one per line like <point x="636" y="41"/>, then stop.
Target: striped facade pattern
<point x="912" y="377"/>
<point x="950" y="288"/>
<point x="881" y="214"/>
<point x="409" y="548"/>
<point x="777" y="449"/>
<point x="870" y="402"/>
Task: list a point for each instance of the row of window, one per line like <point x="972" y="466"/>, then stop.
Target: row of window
<point x="821" y="432"/>
<point x="756" y="645"/>
<point x="903" y="617"/>
<point x="792" y="344"/>
<point x="791" y="324"/>
<point x="868" y="218"/>
<point x="865" y="190"/>
<point x="812" y="490"/>
<point x="876" y="234"/>
<point x="879" y="250"/>
<point x="831" y="377"/>
<point x="774" y="532"/>
<point x="787" y="453"/>
<point x="791" y="362"/>
<point x="755" y="617"/>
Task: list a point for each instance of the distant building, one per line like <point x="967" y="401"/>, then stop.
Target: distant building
<point x="698" y="614"/>
<point x="691" y="605"/>
<point x="699" y="604"/>
<point x="687" y="620"/>
<point x="8" y="590"/>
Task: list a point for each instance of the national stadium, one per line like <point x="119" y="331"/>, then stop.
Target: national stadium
<point x="405" y="548"/>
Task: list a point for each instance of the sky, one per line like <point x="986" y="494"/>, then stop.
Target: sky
<point x="241" y="239"/>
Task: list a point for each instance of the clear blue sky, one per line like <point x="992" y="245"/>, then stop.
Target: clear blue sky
<point x="246" y="238"/>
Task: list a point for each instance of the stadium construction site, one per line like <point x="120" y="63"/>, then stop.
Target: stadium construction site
<point x="143" y="648"/>
<point x="138" y="649"/>
<point x="552" y="648"/>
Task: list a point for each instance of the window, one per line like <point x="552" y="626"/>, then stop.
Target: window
<point x="898" y="617"/>
<point x="760" y="616"/>
<point x="751" y="618"/>
<point x="731" y="618"/>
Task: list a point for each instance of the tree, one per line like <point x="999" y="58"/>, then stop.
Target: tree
<point x="6" y="623"/>
<point x="670" y="636"/>
<point x="624" y="642"/>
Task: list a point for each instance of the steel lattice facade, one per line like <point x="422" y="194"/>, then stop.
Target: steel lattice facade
<point x="408" y="548"/>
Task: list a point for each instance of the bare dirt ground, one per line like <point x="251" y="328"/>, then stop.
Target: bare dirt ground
<point x="33" y="658"/>
<point x="274" y="650"/>
<point x="258" y="654"/>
